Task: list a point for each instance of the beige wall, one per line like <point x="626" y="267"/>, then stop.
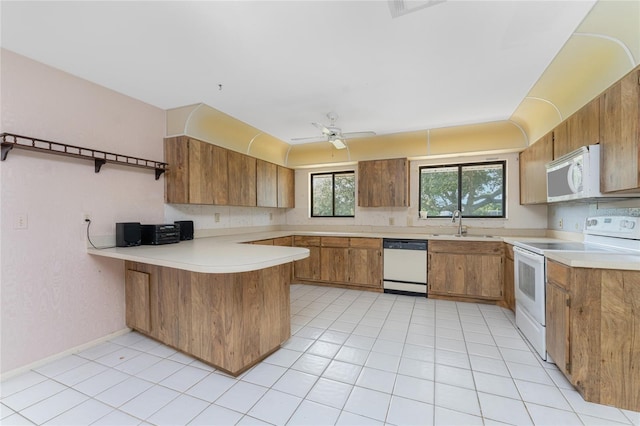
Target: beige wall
<point x="54" y="296"/>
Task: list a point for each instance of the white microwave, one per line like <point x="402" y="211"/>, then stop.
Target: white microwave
<point x="576" y="176"/>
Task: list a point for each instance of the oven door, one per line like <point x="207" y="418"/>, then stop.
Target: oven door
<point x="529" y="279"/>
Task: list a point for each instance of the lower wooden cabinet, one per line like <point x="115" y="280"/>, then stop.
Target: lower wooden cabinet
<point x="231" y="321"/>
<point x="341" y="261"/>
<point x="137" y="300"/>
<point x="592" y="321"/>
<point x="309" y="268"/>
<point x="471" y="269"/>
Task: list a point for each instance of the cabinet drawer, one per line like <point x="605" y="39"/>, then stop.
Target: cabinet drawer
<point x="373" y="243"/>
<point x="283" y="241"/>
<point x="558" y="274"/>
<point x="308" y="241"/>
<point x="465" y="247"/>
<point x="334" y="242"/>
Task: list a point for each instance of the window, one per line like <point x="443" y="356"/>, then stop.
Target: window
<point x="333" y="194"/>
<point x="477" y="190"/>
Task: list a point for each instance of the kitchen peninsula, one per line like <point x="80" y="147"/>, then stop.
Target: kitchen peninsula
<point x="224" y="303"/>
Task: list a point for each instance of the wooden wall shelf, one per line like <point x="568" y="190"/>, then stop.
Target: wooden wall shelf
<point x="10" y="141"/>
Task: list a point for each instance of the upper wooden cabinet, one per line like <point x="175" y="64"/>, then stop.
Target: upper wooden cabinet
<point x="198" y="172"/>
<point x="580" y="129"/>
<point x="286" y="187"/>
<point x="620" y="134"/>
<point x="202" y="173"/>
<point x="242" y="175"/>
<point x="383" y="183"/>
<point x="533" y="175"/>
<point x="266" y="184"/>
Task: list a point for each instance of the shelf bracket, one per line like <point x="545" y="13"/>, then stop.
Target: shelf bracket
<point x="159" y="172"/>
<point x="6" y="147"/>
<point x="98" y="164"/>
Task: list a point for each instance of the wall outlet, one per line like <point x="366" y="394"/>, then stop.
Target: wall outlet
<point x="392" y="221"/>
<point x="270" y="215"/>
<point x="216" y="217"/>
<point x="560" y="223"/>
<point x="21" y="221"/>
<point x="86" y="217"/>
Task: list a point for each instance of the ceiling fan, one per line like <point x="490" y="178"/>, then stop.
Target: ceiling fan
<point x="334" y="134"/>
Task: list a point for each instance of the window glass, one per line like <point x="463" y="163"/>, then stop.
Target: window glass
<point x="333" y="194"/>
<point x="482" y="190"/>
<point x="439" y="190"/>
<point x="477" y="190"/>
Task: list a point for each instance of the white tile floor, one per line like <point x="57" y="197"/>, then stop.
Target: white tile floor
<point x="355" y="358"/>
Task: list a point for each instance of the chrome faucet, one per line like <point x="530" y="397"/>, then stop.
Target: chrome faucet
<point x="458" y="214"/>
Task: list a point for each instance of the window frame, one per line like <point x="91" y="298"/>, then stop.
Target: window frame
<point x="333" y="194"/>
<point x="460" y="167"/>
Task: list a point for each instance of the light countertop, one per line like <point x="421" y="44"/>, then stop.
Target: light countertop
<point x="226" y="254"/>
<point x="207" y="255"/>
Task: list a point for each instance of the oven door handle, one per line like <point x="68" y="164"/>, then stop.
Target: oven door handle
<point x="527" y="253"/>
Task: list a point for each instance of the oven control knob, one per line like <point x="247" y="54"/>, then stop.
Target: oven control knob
<point x="627" y="224"/>
<point x="592" y="222"/>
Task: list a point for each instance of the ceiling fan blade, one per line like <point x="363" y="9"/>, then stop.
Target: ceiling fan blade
<point x="354" y="135"/>
<point x="324" y="129"/>
<point x="310" y="139"/>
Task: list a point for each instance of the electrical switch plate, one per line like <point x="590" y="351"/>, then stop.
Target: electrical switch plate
<point x="270" y="216"/>
<point x="216" y="217"/>
<point x="392" y="221"/>
<point x="21" y="221"/>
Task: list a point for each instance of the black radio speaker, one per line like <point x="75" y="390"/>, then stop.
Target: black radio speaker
<point x="186" y="229"/>
<point x="128" y="234"/>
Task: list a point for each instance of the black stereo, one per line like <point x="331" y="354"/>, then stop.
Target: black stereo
<point x="160" y="234"/>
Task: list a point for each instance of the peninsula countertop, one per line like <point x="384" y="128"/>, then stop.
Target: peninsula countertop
<point x="207" y="255"/>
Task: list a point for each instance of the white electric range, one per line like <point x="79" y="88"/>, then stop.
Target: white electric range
<point x="602" y="234"/>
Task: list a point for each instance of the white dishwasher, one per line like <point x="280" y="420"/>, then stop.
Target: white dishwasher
<point x="405" y="266"/>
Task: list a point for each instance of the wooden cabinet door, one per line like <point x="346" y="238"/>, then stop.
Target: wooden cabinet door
<point x="561" y="140"/>
<point x="446" y="273"/>
<point x="137" y="295"/>
<point x="207" y="173"/>
<point x="620" y="133"/>
<point x="308" y="268"/>
<point x="176" y="181"/>
<point x="394" y="183"/>
<point x="286" y="188"/>
<point x="266" y="184"/>
<point x="383" y="183"/>
<point x="368" y="174"/>
<point x="483" y="275"/>
<point x="365" y="267"/>
<point x="242" y="179"/>
<point x="533" y="174"/>
<point x="584" y="126"/>
<point x="557" y="321"/>
<point x="334" y="264"/>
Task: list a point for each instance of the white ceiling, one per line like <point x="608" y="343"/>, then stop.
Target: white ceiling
<point x="283" y="65"/>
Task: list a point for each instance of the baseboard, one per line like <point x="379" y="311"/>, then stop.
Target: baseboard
<point x="20" y="370"/>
